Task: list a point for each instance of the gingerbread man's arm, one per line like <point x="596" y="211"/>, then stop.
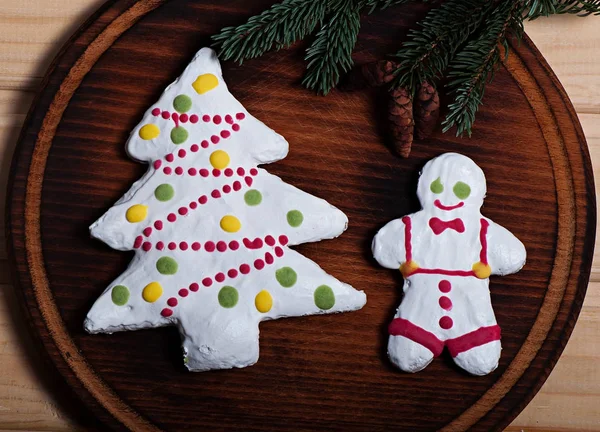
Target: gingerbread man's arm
<point x="505" y="252"/>
<point x="389" y="244"/>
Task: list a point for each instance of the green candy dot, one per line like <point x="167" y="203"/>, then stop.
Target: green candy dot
<point x="295" y="218"/>
<point x="182" y="103"/>
<point x="167" y="266"/>
<point x="462" y="190"/>
<point x="253" y="197"/>
<point x="179" y="134"/>
<point x="324" y="297"/>
<point x="286" y="276"/>
<point x="436" y="186"/>
<point x="228" y="297"/>
<point x="164" y="192"/>
<point x="120" y="295"/>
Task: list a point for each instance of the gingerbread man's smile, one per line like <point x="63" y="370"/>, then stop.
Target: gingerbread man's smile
<point x="441" y="206"/>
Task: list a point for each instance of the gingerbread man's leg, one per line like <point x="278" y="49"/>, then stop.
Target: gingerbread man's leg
<point x="477" y="352"/>
<point x="410" y="347"/>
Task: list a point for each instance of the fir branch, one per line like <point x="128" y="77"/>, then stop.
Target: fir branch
<point x="475" y="65"/>
<point x="330" y="54"/>
<point x="278" y="27"/>
<point x="544" y="8"/>
<point x="374" y="5"/>
<point x="425" y="56"/>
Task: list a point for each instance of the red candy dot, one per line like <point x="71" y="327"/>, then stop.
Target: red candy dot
<point x="206" y="118"/>
<point x="167" y="170"/>
<point x="278" y="251"/>
<point x="215" y="139"/>
<point x="240" y="116"/>
<point x="138" y="241"/>
<point x="193" y="205"/>
<point x="269" y="258"/>
<point x="445" y="286"/>
<point x="157" y="164"/>
<point x="283" y="240"/>
<point x="183" y="245"/>
<point x="228" y="172"/>
<point x="216" y="172"/>
<point x="160" y="245"/>
<point x="147" y="231"/>
<point x="270" y="240"/>
<point x="241" y="171"/>
<point x="158" y="225"/>
<point x="226" y="188"/>
<point x="244" y="269"/>
<point x="225" y="134"/>
<point x="166" y="312"/>
<point x="253" y="171"/>
<point x="217" y="119"/>
<point x="232" y="273"/>
<point x="166" y="115"/>
<point x="183" y="118"/>
<point x="183" y="292"/>
<point x="228" y="119"/>
<point x="178" y="170"/>
<point x="194" y="148"/>
<point x="259" y="264"/>
<point x="445" y="303"/>
<point x="215" y="194"/>
<point x="221" y="246"/>
<point x="234" y="245"/>
<point x="207" y="282"/>
<point x="194" y="287"/>
<point x="181" y="153"/>
<point x="203" y="199"/>
<point x="172" y="302"/>
<point x="248" y="180"/>
<point x="171" y="217"/>
<point x="209" y="246"/>
<point x="147" y="246"/>
<point x="156" y="112"/>
<point x="204" y="172"/>
<point x="204" y="144"/>
<point x="446" y="322"/>
<point x="170" y="157"/>
<point x="172" y="246"/>
<point x="237" y="185"/>
<point x="192" y="171"/>
<point x="194" y="118"/>
<point x="182" y="211"/>
<point x="235" y="127"/>
<point x="220" y="277"/>
<point x="175" y="117"/>
<point x="195" y="246"/>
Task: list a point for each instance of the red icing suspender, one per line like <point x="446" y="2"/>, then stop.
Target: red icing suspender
<point x="407" y="237"/>
<point x="483" y="240"/>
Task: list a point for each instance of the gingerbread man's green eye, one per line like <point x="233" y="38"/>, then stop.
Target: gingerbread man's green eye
<point x="436" y="186"/>
<point x="462" y="190"/>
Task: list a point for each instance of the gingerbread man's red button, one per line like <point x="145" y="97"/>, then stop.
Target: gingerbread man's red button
<point x="445" y="303"/>
<point x="446" y="322"/>
<point x="445" y="286"/>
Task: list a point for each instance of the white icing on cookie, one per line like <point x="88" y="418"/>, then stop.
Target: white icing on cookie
<point x="446" y="252"/>
<point x="211" y="231"/>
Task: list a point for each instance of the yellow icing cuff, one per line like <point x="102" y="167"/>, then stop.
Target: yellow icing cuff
<point x="205" y="83"/>
<point x="136" y="213"/>
<point x="408" y="268"/>
<point x="481" y="270"/>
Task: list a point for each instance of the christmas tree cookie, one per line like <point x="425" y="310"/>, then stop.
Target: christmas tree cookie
<point x="446" y="253"/>
<point x="211" y="231"/>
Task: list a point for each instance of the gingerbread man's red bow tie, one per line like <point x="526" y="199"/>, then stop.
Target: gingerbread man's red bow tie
<point x="438" y="226"/>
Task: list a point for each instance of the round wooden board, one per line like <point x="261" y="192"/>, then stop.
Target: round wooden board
<point x="326" y="372"/>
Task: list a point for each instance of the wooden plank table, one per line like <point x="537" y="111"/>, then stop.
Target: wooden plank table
<point x="32" y="31"/>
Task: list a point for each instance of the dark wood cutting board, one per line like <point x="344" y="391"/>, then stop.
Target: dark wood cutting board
<point x="314" y="373"/>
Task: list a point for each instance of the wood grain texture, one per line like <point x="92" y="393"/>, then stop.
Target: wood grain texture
<point x="550" y="411"/>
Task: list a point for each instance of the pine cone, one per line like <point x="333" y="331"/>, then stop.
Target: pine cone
<point x="402" y="124"/>
<point x="372" y="74"/>
<point x="427" y="110"/>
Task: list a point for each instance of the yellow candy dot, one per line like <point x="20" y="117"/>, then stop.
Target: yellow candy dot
<point x="230" y="224"/>
<point x="152" y="292"/>
<point x="205" y="83"/>
<point x="149" y="131"/>
<point x="263" y="301"/>
<point x="481" y="270"/>
<point x="136" y="213"/>
<point x="408" y="268"/>
<point x="219" y="159"/>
